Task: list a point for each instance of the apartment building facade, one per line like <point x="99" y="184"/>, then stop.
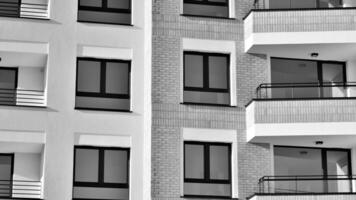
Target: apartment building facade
<point x="75" y="99"/>
<point x="177" y="99"/>
<point x="253" y="99"/>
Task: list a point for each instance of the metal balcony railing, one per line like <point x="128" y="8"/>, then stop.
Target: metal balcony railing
<point x="306" y="90"/>
<point x="20" y="97"/>
<point x="306" y="184"/>
<point x="296" y="4"/>
<point x="17" y="189"/>
<point x="24" y="9"/>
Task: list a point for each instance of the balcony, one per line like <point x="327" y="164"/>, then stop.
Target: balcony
<point x="292" y="29"/>
<point x="300" y="114"/>
<point x="37" y="9"/>
<point x="305" y="187"/>
<point x="19" y="189"/>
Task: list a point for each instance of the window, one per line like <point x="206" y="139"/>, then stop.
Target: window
<point x="8" y="85"/>
<point x="283" y="4"/>
<point x="105" y="11"/>
<point x="207" y="169"/>
<point x="101" y="173"/>
<point x="103" y="84"/>
<point x="6" y="172"/>
<point x="312" y="163"/>
<point x="210" y="8"/>
<point x="206" y="78"/>
<point x="297" y="71"/>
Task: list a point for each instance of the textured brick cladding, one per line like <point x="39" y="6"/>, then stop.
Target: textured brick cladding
<point x="306" y="197"/>
<point x="304" y="20"/>
<point x="305" y="111"/>
<point x="169" y="116"/>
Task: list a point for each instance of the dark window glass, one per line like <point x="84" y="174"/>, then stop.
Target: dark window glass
<point x="290" y="4"/>
<point x="8" y="86"/>
<point x="105" y="11"/>
<point x="206" y="78"/>
<point x="6" y="172"/>
<point x="301" y="73"/>
<point x="207" y="170"/>
<point x="103" y="84"/>
<point x="211" y="8"/>
<point x="314" y="165"/>
<point x="101" y="173"/>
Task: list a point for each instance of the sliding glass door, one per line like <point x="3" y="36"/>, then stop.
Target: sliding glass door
<point x="298" y="78"/>
<point x="290" y="4"/>
<point x="311" y="170"/>
<point x="6" y="171"/>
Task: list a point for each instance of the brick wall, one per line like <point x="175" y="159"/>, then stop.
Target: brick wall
<point x="169" y="116"/>
<point x="304" y="20"/>
<point x="305" y="111"/>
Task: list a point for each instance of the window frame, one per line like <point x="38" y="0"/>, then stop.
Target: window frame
<point x="105" y="9"/>
<point x="208" y="3"/>
<point x="102" y="93"/>
<point x="206" y="179"/>
<point x="101" y="165"/>
<point x="206" y="87"/>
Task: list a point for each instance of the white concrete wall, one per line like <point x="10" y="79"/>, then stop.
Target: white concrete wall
<point x="27" y="167"/>
<point x="60" y="121"/>
<point x="31" y="78"/>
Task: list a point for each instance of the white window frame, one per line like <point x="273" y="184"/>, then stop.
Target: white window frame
<point x="211" y="135"/>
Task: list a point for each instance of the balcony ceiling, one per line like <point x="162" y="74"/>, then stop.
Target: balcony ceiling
<point x="330" y="141"/>
<point x="17" y="147"/>
<point x="339" y="52"/>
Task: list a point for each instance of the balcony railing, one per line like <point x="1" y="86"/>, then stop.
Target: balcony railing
<point x="306" y="184"/>
<point x="17" y="189"/>
<point x="19" y="97"/>
<point x="24" y="9"/>
<point x="306" y="90"/>
<point x="296" y="4"/>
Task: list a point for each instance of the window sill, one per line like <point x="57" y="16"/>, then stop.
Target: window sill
<point x="207" y="104"/>
<point x="105" y="23"/>
<point x="103" y="109"/>
<point x="206" y="197"/>
<point x="203" y="16"/>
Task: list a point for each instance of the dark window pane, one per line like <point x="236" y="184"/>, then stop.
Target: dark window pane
<point x="86" y="165"/>
<point x="115" y="166"/>
<point x="117" y="78"/>
<point x="120" y="4"/>
<point x="333" y="72"/>
<point x="206" y="10"/>
<point x="297" y="162"/>
<point x="91" y="3"/>
<point x="219" y="162"/>
<point x="5" y="175"/>
<point x="104" y="17"/>
<point x="194" y="161"/>
<point x="7" y="79"/>
<point x="88" y="76"/>
<point x="304" y="3"/>
<point x="277" y="4"/>
<point x="193" y="71"/>
<point x="218" y="72"/>
<point x="294" y="71"/>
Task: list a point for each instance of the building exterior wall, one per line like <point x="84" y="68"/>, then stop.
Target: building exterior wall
<point x="169" y="116"/>
<point x="304" y="20"/>
<point x="59" y="121"/>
